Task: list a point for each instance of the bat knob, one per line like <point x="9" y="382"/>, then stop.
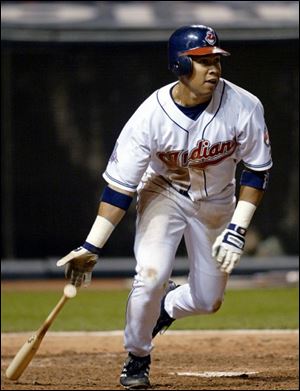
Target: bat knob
<point x="70" y="291"/>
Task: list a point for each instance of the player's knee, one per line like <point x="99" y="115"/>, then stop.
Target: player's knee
<point x="152" y="279"/>
<point x="216" y="306"/>
<point x="208" y="306"/>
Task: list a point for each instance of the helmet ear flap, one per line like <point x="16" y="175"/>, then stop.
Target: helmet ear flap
<point x="183" y="66"/>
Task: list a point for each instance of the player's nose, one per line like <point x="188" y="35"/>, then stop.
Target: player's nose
<point x="214" y="70"/>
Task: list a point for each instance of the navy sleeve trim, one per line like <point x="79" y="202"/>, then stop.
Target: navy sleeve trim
<point x="131" y="187"/>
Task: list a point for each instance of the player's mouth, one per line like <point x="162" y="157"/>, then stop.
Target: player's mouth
<point x="212" y="81"/>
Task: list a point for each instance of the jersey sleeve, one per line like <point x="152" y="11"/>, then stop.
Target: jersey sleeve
<point x="131" y="155"/>
<point x="254" y="143"/>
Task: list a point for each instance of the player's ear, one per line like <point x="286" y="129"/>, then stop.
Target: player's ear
<point x="183" y="66"/>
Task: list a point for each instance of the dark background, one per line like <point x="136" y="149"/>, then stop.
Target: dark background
<point x="63" y="107"/>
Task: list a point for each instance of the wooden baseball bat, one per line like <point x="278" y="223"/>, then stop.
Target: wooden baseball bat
<point x="30" y="347"/>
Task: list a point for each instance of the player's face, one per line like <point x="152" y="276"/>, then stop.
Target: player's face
<point x="206" y="74"/>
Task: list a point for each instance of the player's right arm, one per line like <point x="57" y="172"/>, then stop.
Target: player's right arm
<point x="80" y="262"/>
<point x="128" y="162"/>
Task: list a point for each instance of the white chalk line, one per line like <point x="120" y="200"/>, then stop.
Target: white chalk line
<point x="118" y="333"/>
<point x="215" y="374"/>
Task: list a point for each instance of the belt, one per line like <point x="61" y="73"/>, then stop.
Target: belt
<point x="183" y="192"/>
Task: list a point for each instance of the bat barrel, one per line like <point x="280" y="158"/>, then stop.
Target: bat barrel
<point x="23" y="358"/>
<point x="30" y="347"/>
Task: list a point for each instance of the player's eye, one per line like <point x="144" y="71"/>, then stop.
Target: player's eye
<point x="208" y="62"/>
<point x="203" y="61"/>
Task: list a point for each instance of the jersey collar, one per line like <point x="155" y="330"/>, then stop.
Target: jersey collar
<point x="178" y="117"/>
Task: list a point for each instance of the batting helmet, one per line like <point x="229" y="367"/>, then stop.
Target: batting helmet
<point x="195" y="40"/>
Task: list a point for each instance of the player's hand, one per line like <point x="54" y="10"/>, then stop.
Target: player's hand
<point x="228" y="247"/>
<point x="79" y="264"/>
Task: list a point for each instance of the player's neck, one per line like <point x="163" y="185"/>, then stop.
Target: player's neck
<point x="185" y="97"/>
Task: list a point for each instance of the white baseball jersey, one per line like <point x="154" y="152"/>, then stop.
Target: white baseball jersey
<point x="198" y="156"/>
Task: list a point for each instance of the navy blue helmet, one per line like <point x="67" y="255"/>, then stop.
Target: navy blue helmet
<point x="195" y="40"/>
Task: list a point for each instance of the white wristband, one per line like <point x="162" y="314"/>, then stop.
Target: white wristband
<point x="243" y="214"/>
<point x="100" y="232"/>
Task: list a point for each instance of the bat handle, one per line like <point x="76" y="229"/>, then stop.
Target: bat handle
<point x="47" y="323"/>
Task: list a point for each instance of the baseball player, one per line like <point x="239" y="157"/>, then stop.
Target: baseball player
<point x="179" y="152"/>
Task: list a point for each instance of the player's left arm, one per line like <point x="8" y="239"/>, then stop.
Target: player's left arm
<point x="229" y="246"/>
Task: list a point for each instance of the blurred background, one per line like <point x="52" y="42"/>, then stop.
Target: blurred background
<point x="73" y="73"/>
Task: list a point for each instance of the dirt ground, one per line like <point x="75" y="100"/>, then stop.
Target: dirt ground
<point x="266" y="360"/>
<point x="93" y="362"/>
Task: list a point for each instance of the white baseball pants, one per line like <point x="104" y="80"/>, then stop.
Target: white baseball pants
<point x="164" y="216"/>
